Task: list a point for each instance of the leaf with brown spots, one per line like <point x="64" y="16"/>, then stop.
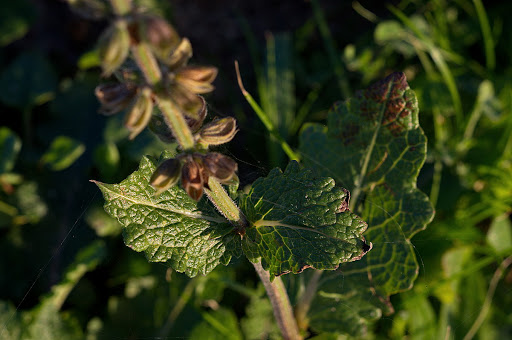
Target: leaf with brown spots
<point x="373" y="146"/>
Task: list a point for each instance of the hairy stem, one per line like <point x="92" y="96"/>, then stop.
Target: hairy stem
<point x="276" y="291"/>
<point x="147" y="63"/>
<point x="283" y="311"/>
<point x="225" y="205"/>
<point x="176" y="122"/>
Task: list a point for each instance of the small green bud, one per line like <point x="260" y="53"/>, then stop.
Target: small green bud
<point x="166" y="175"/>
<point x="220" y="166"/>
<point x="139" y="115"/>
<point x="114" y="45"/>
<point x="192" y="179"/>
<point x="197" y="79"/>
<point x="114" y="97"/>
<point x="219" y="131"/>
<point x="180" y="56"/>
<point x="160" y="35"/>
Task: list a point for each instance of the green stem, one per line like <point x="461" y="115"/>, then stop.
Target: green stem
<point x="331" y="49"/>
<point x="147" y="62"/>
<point x="283" y="311"/>
<point x="176" y="121"/>
<point x="436" y="182"/>
<point x="488" y="298"/>
<point x="121" y="7"/>
<point x="276" y="291"/>
<point x="265" y="120"/>
<point x="490" y="58"/>
<point x="302" y="308"/>
<point x="185" y="296"/>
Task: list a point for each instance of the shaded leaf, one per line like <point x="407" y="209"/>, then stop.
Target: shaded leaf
<point x="15" y="20"/>
<point x="373" y="145"/>
<point x="171" y="227"/>
<point x="63" y="152"/>
<point x="28" y="81"/>
<point x="499" y="236"/>
<point x="220" y="324"/>
<point x="10" y="145"/>
<point x="299" y="221"/>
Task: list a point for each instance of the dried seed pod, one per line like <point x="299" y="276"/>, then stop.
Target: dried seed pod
<point x="138" y="117"/>
<point x="189" y="103"/>
<point x="114" y="97"/>
<point x="166" y="175"/>
<point x="114" y="45"/>
<point x="161" y="36"/>
<point x="220" y="166"/>
<point x="192" y="179"/>
<point x="195" y="123"/>
<point x="197" y="79"/>
<point x="218" y="131"/>
<point x="180" y="56"/>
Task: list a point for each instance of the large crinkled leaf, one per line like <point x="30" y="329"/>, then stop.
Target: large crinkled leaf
<point x="373" y="145"/>
<point x="298" y="221"/>
<point x="170" y="227"/>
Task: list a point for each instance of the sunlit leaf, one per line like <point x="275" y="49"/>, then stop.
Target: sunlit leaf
<point x="171" y="227"/>
<point x="298" y="221"/>
<point x="63" y="152"/>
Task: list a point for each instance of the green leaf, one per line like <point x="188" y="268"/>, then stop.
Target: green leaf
<point x="10" y="145"/>
<point x="15" y="20"/>
<point x="220" y="324"/>
<point x="344" y="304"/>
<point x="298" y="221"/>
<point x="106" y="158"/>
<point x="10" y="321"/>
<point x="373" y="145"/>
<point x="499" y="236"/>
<point x="63" y="152"/>
<point x="259" y="322"/>
<point x="28" y="81"/>
<point x="191" y="237"/>
<point x="86" y="260"/>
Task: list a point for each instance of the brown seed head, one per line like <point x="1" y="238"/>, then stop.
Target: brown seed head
<point x="220" y="166"/>
<point x="192" y="179"/>
<point x="218" y="131"/>
<point x="139" y="115"/>
<point x="114" y="97"/>
<point x="114" y="45"/>
<point x="166" y="175"/>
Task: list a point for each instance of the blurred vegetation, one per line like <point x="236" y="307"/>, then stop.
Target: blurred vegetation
<point x="64" y="270"/>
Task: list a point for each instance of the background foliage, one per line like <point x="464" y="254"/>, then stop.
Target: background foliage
<point x="65" y="272"/>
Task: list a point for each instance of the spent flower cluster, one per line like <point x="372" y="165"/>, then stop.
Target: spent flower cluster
<point x="157" y="88"/>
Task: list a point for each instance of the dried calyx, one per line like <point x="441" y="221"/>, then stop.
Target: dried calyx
<point x="196" y="169"/>
<point x="153" y="42"/>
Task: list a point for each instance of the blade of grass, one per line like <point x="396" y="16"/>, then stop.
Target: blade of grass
<point x="490" y="58"/>
<point x="330" y="46"/>
<point x="264" y="119"/>
<point x="439" y="61"/>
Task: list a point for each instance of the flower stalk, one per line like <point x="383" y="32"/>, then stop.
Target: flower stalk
<point x="176" y="122"/>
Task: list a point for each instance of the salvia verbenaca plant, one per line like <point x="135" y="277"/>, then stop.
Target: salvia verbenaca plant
<point x="286" y="222"/>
